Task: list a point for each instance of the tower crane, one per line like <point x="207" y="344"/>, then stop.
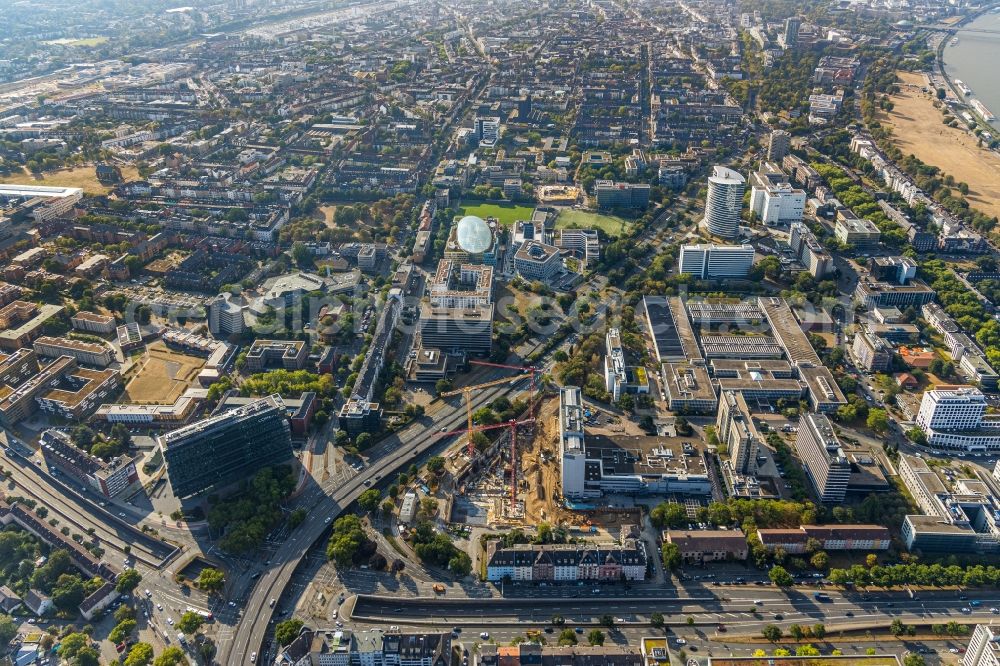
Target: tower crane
<point x="524" y="368"/>
<point x="467" y="391"/>
<point x="512" y="424"/>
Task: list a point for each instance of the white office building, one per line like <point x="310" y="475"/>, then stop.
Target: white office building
<point x="574" y="453"/>
<point x="714" y="262"/>
<point x="984" y="648"/>
<point x="955" y="419"/>
<point x="778" y="204"/>
<point x="488" y="130"/>
<point x="724" y="202"/>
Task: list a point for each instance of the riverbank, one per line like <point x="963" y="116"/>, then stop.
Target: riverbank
<point x="918" y="130"/>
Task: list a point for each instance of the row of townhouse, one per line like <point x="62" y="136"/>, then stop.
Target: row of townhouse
<point x="566" y="562"/>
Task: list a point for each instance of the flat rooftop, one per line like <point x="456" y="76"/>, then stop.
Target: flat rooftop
<point x="7" y="190"/>
<point x="787" y="331"/>
<point x="645" y="455"/>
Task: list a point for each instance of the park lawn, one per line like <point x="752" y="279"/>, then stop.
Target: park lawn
<point x="612" y="225"/>
<point x="506" y="213"/>
<point x="84" y="177"/>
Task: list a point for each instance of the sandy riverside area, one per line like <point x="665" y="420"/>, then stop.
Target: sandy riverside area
<point x="918" y="130"/>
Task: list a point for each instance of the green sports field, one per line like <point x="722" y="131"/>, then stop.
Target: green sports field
<point x="506" y="213"/>
<point x="612" y="225"/>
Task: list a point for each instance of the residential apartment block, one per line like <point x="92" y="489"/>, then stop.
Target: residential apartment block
<point x="566" y="562"/>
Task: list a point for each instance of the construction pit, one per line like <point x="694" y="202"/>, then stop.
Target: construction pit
<point x="484" y="497"/>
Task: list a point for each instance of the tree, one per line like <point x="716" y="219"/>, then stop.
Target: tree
<point x="363" y="440"/>
<point x="122" y="630"/>
<point x="878" y="420"/>
<point x="807" y="650"/>
<point x="8" y="629"/>
<point x="369" y="500"/>
<point x="897" y="628"/>
<point x="690" y="621"/>
<point x="772" y="633"/>
<point x="72" y="644"/>
<point x="190" y="622"/>
<point x="127" y="581"/>
<point x="301" y="254"/>
<point x="819" y="630"/>
<point x="172" y="656"/>
<point x="914" y="659"/>
<point x="460" y="564"/>
<point x="595" y="637"/>
<point x="286" y="632"/>
<point x="671" y="556"/>
<point x="141" y="654"/>
<point x="780" y="577"/>
<point x="819" y="560"/>
<point x="88" y="656"/>
<point x="917" y="436"/>
<point x="607" y="621"/>
<point x="567" y="637"/>
<point x="796" y="632"/>
<point x="435" y="464"/>
<point x="210" y="580"/>
<point x="656" y="619"/>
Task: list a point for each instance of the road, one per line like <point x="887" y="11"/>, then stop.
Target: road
<point x="696" y="617"/>
<point x="391" y="455"/>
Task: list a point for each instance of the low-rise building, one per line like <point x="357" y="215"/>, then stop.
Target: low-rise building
<point x="91" y="322"/>
<point x="621" y="195"/>
<point x="286" y="354"/>
<point x="89" y="353"/>
<point x="829" y="537"/>
<point x="537" y="261"/>
<point x="700" y="546"/>
<point x="108" y="478"/>
<point x="21" y="323"/>
<point x="857" y="233"/>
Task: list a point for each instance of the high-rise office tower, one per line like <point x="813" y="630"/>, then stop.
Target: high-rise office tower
<point x="724" y="202"/>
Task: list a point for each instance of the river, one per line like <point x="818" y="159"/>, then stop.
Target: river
<point x="974" y="60"/>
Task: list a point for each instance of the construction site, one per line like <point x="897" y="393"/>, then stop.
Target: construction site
<point x="507" y="474"/>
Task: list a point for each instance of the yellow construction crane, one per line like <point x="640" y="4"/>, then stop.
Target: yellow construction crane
<point x="468" y="391"/>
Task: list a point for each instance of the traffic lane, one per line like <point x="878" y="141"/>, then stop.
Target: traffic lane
<point x="777" y="611"/>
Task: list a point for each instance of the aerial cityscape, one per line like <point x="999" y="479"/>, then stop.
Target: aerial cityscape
<point x="563" y="333"/>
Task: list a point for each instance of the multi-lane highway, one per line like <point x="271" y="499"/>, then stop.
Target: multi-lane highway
<point x="326" y="503"/>
<point x="741" y="610"/>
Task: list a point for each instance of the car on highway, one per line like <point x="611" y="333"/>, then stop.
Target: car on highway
<point x="159" y="606"/>
<point x="680" y="641"/>
<point x="253" y="657"/>
<point x="953" y="650"/>
<point x="849" y="614"/>
<point x="170" y="621"/>
<point x="966" y="610"/>
<point x="778" y="616"/>
<point x="484" y="635"/>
